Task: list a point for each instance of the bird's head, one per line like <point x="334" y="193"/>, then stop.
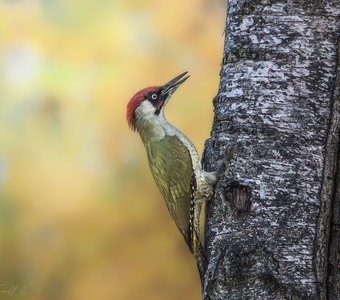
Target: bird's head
<point x="150" y="102"/>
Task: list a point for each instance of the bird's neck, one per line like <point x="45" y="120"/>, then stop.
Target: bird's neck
<point x="154" y="127"/>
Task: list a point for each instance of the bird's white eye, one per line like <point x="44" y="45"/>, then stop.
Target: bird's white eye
<point x="154" y="96"/>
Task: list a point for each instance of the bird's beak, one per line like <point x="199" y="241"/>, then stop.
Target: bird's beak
<point x="169" y="88"/>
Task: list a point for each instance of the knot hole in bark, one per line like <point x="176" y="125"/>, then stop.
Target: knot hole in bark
<point x="238" y="196"/>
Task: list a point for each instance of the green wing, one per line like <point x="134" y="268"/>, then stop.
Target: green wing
<point x="171" y="168"/>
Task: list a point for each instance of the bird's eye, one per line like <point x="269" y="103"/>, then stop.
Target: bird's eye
<point x="154" y="96"/>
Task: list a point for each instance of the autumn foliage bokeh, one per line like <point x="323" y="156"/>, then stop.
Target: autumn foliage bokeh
<point x="80" y="215"/>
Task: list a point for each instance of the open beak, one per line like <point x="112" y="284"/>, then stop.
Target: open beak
<point x="169" y="88"/>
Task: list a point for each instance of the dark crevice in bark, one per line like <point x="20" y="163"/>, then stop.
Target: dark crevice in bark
<point x="333" y="282"/>
<point x="239" y="198"/>
<point x="333" y="265"/>
<point x="328" y="196"/>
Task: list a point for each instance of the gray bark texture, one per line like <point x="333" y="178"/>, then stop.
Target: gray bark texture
<point x="273" y="228"/>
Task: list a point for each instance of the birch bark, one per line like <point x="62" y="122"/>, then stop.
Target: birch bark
<point x="272" y="229"/>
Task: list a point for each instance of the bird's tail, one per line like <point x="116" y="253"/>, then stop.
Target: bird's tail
<point x="192" y="236"/>
<point x="196" y="248"/>
<point x="201" y="259"/>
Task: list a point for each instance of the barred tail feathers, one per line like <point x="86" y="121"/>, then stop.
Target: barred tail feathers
<point x="192" y="223"/>
<point x="193" y="234"/>
<point x="202" y="261"/>
<point x="196" y="248"/>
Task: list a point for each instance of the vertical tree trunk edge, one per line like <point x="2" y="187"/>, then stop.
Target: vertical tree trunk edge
<point x="328" y="239"/>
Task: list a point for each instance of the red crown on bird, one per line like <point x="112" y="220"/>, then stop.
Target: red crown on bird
<point x="135" y="101"/>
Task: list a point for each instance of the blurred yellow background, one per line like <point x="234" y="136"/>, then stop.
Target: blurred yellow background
<point x="80" y="215"/>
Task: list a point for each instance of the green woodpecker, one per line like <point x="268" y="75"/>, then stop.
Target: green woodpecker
<point x="173" y="161"/>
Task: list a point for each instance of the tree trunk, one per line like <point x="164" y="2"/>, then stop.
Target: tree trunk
<point x="273" y="227"/>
